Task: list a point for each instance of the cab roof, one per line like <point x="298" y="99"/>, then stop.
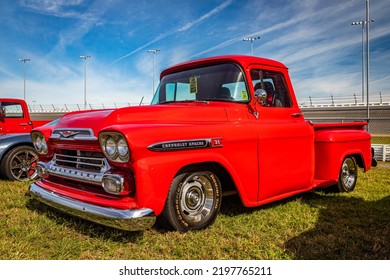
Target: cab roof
<point x="242" y="60"/>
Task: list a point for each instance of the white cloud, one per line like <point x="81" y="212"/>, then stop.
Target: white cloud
<point x="182" y="28"/>
<point x="205" y="16"/>
<point x="58" y="8"/>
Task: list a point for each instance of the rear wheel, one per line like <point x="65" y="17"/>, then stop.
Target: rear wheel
<point x="348" y="175"/>
<point x="193" y="201"/>
<point x="19" y="164"/>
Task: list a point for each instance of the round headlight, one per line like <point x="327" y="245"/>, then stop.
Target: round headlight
<point x="110" y="146"/>
<point x="123" y="150"/>
<point x="39" y="143"/>
<point x="114" y="146"/>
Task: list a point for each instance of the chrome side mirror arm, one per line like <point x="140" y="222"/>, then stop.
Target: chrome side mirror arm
<point x="261" y="97"/>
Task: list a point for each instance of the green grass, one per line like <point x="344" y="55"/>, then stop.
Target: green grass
<point x="313" y="225"/>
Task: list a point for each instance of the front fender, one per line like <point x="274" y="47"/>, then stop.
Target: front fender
<point x="10" y="141"/>
<point x="155" y="173"/>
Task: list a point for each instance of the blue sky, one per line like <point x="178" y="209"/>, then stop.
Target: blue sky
<point x="314" y="38"/>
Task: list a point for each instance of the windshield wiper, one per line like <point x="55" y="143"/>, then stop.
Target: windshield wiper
<point x="183" y="101"/>
<point x="220" y="99"/>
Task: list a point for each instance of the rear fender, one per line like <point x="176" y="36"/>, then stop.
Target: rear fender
<point x="332" y="146"/>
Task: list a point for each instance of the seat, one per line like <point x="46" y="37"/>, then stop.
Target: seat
<point x="224" y="94"/>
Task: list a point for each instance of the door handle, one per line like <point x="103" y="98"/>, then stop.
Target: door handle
<point x="23" y="124"/>
<point x="296" y="115"/>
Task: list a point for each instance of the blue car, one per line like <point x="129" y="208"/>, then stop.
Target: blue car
<point x="18" y="157"/>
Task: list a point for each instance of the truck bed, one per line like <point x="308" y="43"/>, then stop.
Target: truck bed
<point x="347" y="125"/>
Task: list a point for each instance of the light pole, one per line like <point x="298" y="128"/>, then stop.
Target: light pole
<point x="362" y="23"/>
<point x="251" y="39"/>
<point x="154" y="54"/>
<point x="368" y="59"/>
<point x="366" y="23"/>
<point x="85" y="78"/>
<point x="24" y="60"/>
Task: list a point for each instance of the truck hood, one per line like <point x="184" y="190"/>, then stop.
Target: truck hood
<point x="169" y="113"/>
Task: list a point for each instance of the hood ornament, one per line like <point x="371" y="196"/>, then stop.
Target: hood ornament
<point x="68" y="133"/>
<point x="73" y="134"/>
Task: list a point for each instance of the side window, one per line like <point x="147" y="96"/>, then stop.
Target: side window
<point x="273" y="83"/>
<point x="11" y="110"/>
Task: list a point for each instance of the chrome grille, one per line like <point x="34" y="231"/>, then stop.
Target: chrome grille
<point x="85" y="160"/>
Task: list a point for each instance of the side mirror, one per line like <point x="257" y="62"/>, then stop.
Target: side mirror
<point x="261" y="96"/>
<point x="2" y="111"/>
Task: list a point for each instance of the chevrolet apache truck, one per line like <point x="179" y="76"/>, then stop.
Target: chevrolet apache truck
<point x="18" y="157"/>
<point x="216" y="126"/>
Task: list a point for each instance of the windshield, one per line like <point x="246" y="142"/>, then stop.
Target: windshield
<point x="222" y="82"/>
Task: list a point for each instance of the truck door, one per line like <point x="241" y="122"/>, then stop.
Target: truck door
<point x="12" y="118"/>
<point x="285" y="139"/>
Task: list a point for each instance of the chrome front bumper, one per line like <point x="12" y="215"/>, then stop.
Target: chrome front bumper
<point x="130" y="220"/>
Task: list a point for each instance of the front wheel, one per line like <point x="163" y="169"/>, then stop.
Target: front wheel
<point x="193" y="201"/>
<point x="348" y="175"/>
<point x="19" y="164"/>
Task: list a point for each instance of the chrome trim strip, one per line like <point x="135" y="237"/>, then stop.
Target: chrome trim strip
<point x="80" y="160"/>
<point x="130" y="220"/>
<point x="74" y="174"/>
<point x="81" y="163"/>
<point x="187" y="144"/>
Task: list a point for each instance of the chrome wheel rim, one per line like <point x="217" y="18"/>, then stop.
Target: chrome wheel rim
<point x="348" y="173"/>
<point x="196" y="198"/>
<point x="23" y="166"/>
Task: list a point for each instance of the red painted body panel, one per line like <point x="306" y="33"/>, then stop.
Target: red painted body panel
<point x="268" y="153"/>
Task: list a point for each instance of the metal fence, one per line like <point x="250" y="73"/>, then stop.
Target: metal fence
<point x="382" y="152"/>
<point x="375" y="99"/>
<point x="58" y="108"/>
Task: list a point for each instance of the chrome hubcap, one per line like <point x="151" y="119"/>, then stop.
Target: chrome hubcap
<point x="348" y="173"/>
<point x="196" y="198"/>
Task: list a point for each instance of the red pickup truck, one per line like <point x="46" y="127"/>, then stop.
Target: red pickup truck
<point x="216" y="126"/>
<point x="15" y="118"/>
<point x="18" y="157"/>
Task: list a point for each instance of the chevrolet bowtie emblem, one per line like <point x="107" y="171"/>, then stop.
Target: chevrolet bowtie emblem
<point x="68" y="133"/>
